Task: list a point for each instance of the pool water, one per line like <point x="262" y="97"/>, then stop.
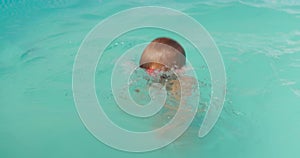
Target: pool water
<point x="259" y="42"/>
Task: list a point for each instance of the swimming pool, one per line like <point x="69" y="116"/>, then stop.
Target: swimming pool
<point x="259" y="42"/>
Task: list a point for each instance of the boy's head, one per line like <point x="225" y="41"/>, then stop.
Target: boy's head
<point x="162" y="54"/>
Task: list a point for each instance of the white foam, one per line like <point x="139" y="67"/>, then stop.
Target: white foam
<point x="285" y="82"/>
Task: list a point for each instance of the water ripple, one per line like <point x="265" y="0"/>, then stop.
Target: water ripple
<point x="272" y="45"/>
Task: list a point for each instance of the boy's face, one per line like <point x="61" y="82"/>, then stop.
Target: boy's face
<point x="155" y="68"/>
<point x="160" y="72"/>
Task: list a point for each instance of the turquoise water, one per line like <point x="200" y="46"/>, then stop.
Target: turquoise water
<point x="259" y="42"/>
